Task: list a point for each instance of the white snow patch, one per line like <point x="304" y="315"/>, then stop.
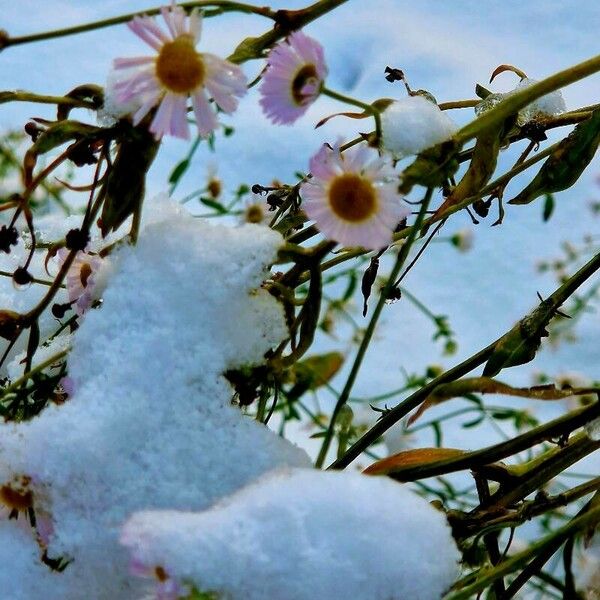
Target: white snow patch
<point x="301" y="534"/>
<point x="151" y="425"/>
<point x="414" y="124"/>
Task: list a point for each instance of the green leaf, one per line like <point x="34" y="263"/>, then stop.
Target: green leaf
<point x="88" y="91"/>
<point x="548" y="207"/>
<point x="520" y="345"/>
<point x="314" y="372"/>
<point x="214" y="204"/>
<point x="178" y="171"/>
<point x="566" y="164"/>
<point x="126" y="183"/>
<point x="56" y="135"/>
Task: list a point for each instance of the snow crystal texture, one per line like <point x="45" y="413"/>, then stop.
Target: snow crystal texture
<point x="150" y="425"/>
<point x="302" y="534"/>
<point x="414" y="124"/>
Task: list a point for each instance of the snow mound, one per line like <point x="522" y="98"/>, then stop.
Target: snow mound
<point x="301" y="534"/>
<point x="414" y="124"/>
<point x="150" y="425"/>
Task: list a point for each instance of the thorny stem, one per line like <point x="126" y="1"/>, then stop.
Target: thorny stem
<point x="400" y="260"/>
<point x="469" y="524"/>
<point x="479" y="458"/>
<point x="552" y="542"/>
<point x="391" y="417"/>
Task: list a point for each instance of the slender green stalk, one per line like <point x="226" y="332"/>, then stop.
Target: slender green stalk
<point x="22" y="96"/>
<point x="479" y="458"/>
<point x="221" y="5"/>
<point x="400" y="260"/>
<point x="518" y="100"/>
<point x="368" y="108"/>
<point x="401" y="410"/>
<point x="288" y="20"/>
<point x="459" y="104"/>
<point x="26" y="376"/>
<point x="555" y="539"/>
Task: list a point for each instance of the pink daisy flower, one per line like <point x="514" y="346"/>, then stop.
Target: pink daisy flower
<point x="177" y="72"/>
<point x="165" y="588"/>
<point x="293" y="78"/>
<point x="352" y="197"/>
<point x="84" y="285"/>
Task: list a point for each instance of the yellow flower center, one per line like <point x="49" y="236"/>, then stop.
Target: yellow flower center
<point x="254" y="214"/>
<point x="179" y="67"/>
<point x="307" y="74"/>
<point x="352" y="198"/>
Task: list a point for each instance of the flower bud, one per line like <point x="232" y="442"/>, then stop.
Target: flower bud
<point x="10" y="324"/>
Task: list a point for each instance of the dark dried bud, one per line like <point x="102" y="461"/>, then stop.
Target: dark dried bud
<point x="535" y="131"/>
<point x="257" y="189"/>
<point x="401" y="226"/>
<point x="368" y="279"/>
<point x="82" y="155"/>
<point x="214" y="188"/>
<point x="9" y="236"/>
<point x="394" y="74"/>
<point x="482" y="207"/>
<point x="22" y="276"/>
<point x="4" y="39"/>
<point x="32" y="130"/>
<point x="10" y="324"/>
<point x="59" y="310"/>
<point x="394" y="295"/>
<point x="274" y="201"/>
<point x="76" y="239"/>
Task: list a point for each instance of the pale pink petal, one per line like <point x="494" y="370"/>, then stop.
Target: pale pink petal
<point x="284" y="63"/>
<point x="376" y="230"/>
<point x="179" y="125"/>
<point x="152" y="27"/>
<point x="138" y="27"/>
<point x="145" y="108"/>
<point x="195" y="25"/>
<point x="167" y="16"/>
<point x="126" y="63"/>
<point x="206" y="119"/>
<point x="161" y="123"/>
<point x="179" y="20"/>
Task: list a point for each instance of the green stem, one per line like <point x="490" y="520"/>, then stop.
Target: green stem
<point x="368" y="108"/>
<point x="287" y="21"/>
<point x="480" y="458"/>
<point x="459" y="104"/>
<point x="488" y="189"/>
<point x="553" y="540"/>
<point x="43" y="365"/>
<point x="21" y="96"/>
<point x="345" y="395"/>
<point x="401" y="410"/>
<point x="518" y="100"/>
<point x="222" y="5"/>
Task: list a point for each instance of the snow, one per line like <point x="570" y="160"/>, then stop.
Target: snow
<point x="151" y="425"/>
<point x="301" y="534"/>
<point x="593" y="430"/>
<point x="547" y="106"/>
<point x="550" y="105"/>
<point x="414" y="124"/>
<point x="18" y="548"/>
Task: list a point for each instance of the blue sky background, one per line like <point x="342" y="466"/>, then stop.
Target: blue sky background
<point x="444" y="47"/>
